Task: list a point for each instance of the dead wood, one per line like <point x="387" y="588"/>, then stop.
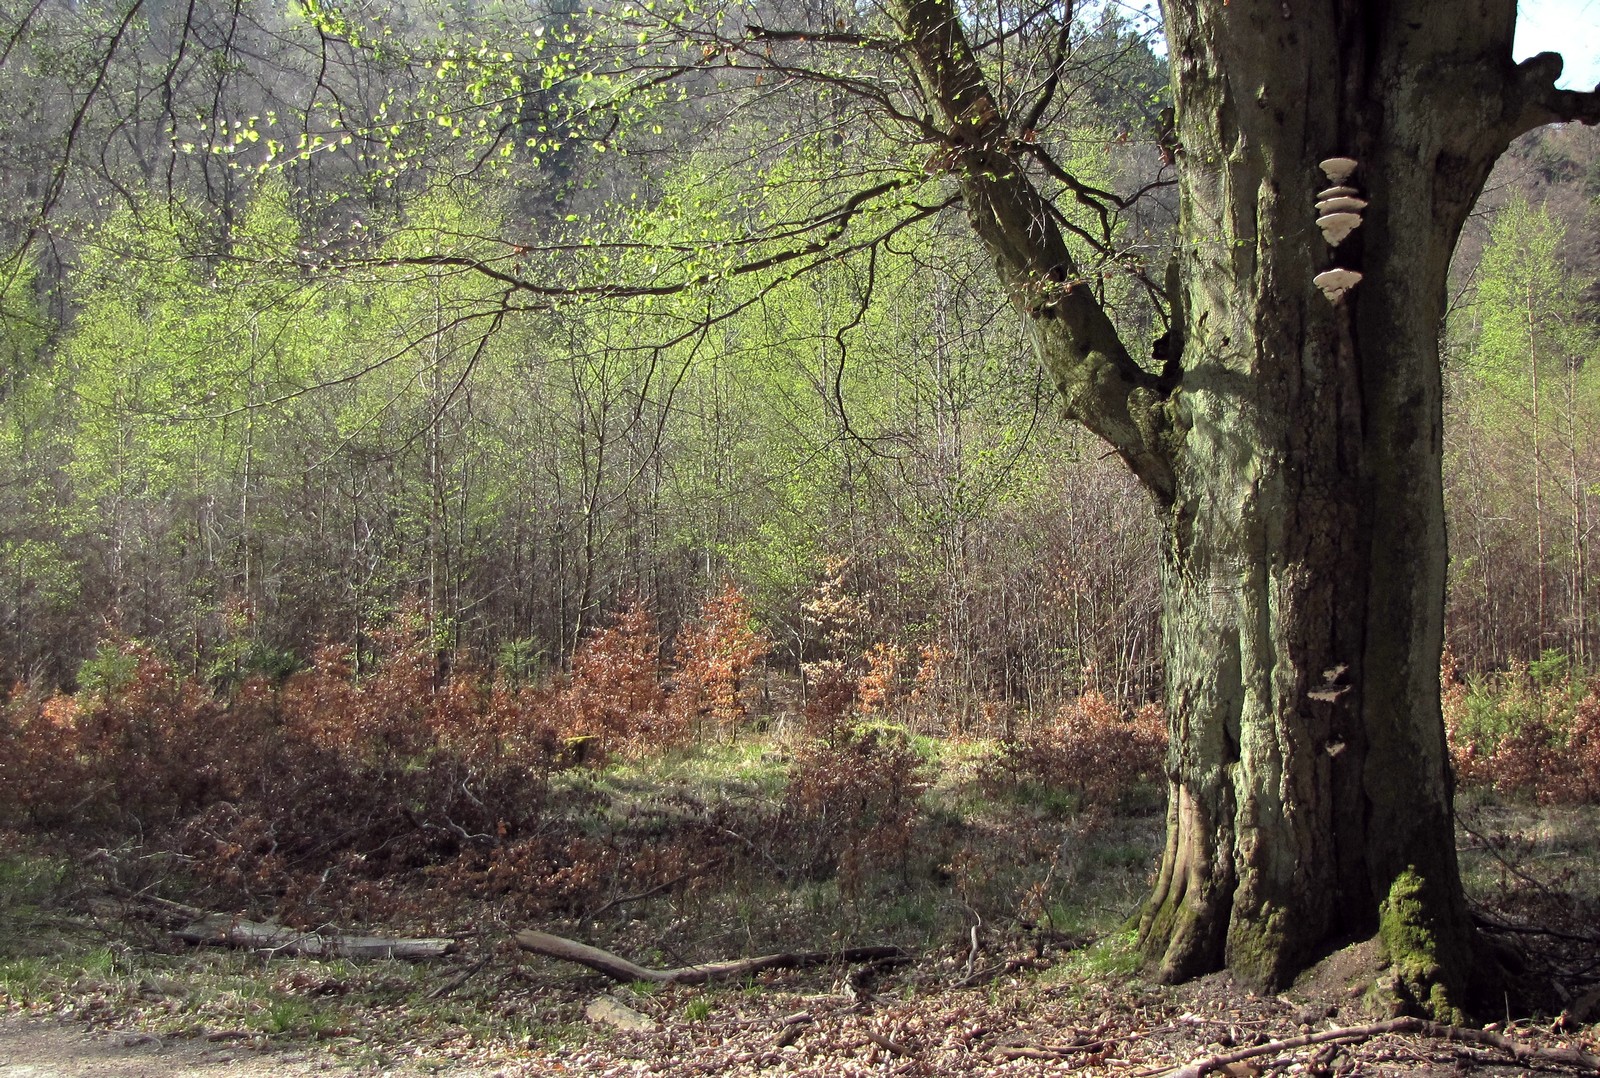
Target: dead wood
<point x="658" y="889"/>
<point x="459" y="979"/>
<point x="127" y="905"/>
<point x="790" y="1027"/>
<point x="1063" y="1051"/>
<point x="887" y="1044"/>
<point x="999" y="969"/>
<point x="620" y="969"/>
<point x="1518" y="1050"/>
<point x="222" y="930"/>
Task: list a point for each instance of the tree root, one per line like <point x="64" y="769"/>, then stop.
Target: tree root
<point x="1518" y="1050"/>
<point x="620" y="969"/>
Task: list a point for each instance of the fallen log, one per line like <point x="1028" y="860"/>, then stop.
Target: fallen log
<point x="224" y="931"/>
<point x="620" y="969"/>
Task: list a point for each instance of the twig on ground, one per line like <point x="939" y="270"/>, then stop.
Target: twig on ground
<point x="887" y="1044"/>
<point x="660" y="888"/>
<point x="1000" y="969"/>
<point x="972" y="957"/>
<point x="1519" y="1051"/>
<point x="790" y="1027"/>
<point x="1498" y="925"/>
<point x="1492" y="851"/>
<point x="460" y="979"/>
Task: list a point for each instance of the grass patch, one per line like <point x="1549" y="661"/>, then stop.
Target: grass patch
<point x="1113" y="956"/>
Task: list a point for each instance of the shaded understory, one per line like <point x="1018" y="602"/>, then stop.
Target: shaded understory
<point x="1009" y="894"/>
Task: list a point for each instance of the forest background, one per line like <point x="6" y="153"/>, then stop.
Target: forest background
<point x="260" y="394"/>
<point x="402" y="408"/>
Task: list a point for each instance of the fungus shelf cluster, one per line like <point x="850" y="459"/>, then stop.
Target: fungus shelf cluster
<point x="1338" y="214"/>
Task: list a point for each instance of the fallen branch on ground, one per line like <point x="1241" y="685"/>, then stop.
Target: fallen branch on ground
<point x="658" y="889"/>
<point x="459" y="979"/>
<point x="222" y="930"/>
<point x="620" y="969"/>
<point x="892" y="1046"/>
<point x="1000" y="969"/>
<point x="132" y="905"/>
<point x="1519" y="1051"/>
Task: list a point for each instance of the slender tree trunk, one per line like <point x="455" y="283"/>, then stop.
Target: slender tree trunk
<point x="1542" y="576"/>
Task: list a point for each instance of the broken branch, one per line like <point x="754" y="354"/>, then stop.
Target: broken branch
<point x="1518" y="1050"/>
<point x="620" y="969"/>
<point x="226" y="931"/>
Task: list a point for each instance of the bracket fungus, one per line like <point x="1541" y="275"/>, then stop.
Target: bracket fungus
<point x="1336" y="282"/>
<point x="1339" y="169"/>
<point x="1342" y="204"/>
<point x="1336" y="226"/>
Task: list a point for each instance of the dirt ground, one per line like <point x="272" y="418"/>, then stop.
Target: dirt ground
<point x="35" y="1047"/>
<point x="806" y="1026"/>
<point x="94" y="984"/>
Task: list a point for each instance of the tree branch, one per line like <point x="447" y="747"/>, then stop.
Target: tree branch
<point x="1058" y="60"/>
<point x="860" y="41"/>
<point x="822" y="248"/>
<point x="221" y="929"/>
<point x="620" y="969"/>
<point x="1521" y="1051"/>
<point x="1540" y="102"/>
<point x="1102" y="385"/>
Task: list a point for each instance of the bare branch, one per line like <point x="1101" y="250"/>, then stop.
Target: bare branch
<point x="1058" y="61"/>
<point x="859" y="41"/>
<point x="1521" y="1051"/>
<point x="1102" y="385"/>
<point x="1542" y="103"/>
<point x="822" y="247"/>
<point x="620" y="969"/>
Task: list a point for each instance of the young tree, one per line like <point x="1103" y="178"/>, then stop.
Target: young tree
<point x="1528" y="395"/>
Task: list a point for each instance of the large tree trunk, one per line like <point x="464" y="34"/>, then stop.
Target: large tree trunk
<point x="1293" y="444"/>
<point x="1305" y="563"/>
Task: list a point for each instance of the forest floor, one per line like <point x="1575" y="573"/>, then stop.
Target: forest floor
<point x="1073" y="1018"/>
<point x="1018" y="965"/>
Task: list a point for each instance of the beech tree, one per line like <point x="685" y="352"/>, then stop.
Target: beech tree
<point x="1290" y="438"/>
<point x="1292" y="446"/>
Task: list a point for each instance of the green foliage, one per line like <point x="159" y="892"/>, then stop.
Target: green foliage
<point x="1529" y="302"/>
<point x="1525" y="402"/>
<point x="109" y="671"/>
<point x="1533" y="730"/>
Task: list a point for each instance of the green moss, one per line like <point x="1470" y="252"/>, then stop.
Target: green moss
<point x="1173" y="920"/>
<point x="1259" y="950"/>
<point x="1428" y="965"/>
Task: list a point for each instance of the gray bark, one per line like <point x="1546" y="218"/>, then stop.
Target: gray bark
<point x="1305" y="570"/>
<point x="1295" y="454"/>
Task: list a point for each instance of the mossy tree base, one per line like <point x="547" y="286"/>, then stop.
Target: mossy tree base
<point x="1430" y="955"/>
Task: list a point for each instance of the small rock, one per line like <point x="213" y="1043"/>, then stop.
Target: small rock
<point x="610" y="1011"/>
